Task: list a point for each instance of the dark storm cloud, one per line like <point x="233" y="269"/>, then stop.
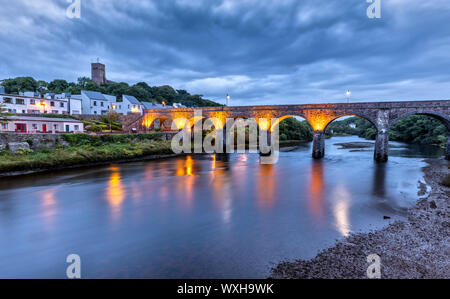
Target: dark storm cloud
<point x="261" y="52"/>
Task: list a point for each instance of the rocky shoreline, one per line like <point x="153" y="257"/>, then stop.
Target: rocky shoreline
<point x="416" y="248"/>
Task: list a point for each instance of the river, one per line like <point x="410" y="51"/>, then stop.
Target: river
<point x="201" y="216"/>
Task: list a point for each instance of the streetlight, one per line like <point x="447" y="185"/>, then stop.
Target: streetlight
<point x="228" y="98"/>
<point x="348" y="94"/>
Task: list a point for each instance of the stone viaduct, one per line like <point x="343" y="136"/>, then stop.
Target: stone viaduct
<point x="383" y="115"/>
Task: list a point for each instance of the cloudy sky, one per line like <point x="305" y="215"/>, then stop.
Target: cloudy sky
<point x="259" y="51"/>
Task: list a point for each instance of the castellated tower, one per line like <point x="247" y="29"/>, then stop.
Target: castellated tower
<point x="98" y="73"/>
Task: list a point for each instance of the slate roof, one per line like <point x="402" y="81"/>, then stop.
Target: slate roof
<point x="132" y="99"/>
<point x="94" y="95"/>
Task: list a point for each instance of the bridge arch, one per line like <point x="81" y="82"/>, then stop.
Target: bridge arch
<point x="357" y="114"/>
<point x="286" y="116"/>
<point x="445" y="119"/>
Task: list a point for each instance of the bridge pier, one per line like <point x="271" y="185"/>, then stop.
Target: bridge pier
<point x="318" y="145"/>
<point x="382" y="146"/>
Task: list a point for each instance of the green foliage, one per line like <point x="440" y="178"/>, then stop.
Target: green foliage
<point x="13" y="86"/>
<point x="142" y="91"/>
<point x="419" y="129"/>
<point x="23" y="151"/>
<point x="362" y="128"/>
<point x="293" y="129"/>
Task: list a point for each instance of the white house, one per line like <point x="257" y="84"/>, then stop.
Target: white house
<point x="96" y="103"/>
<point x="22" y="104"/>
<point x="75" y="105"/>
<point x="35" y="124"/>
<point x="130" y="105"/>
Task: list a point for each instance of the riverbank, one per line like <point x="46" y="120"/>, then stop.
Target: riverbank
<point x="81" y="155"/>
<point x="416" y="248"/>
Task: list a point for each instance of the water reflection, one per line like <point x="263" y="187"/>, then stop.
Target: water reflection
<point x="186" y="180"/>
<point x="316" y="191"/>
<point x="115" y="192"/>
<point x="266" y="185"/>
<point x="48" y="205"/>
<point x="379" y="180"/>
<point x="221" y="189"/>
<point x="341" y="210"/>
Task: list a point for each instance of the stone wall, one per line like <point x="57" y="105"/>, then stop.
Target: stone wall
<point x="127" y="121"/>
<point x="36" y="141"/>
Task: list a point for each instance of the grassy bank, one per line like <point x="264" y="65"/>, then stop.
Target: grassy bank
<point x="85" y="149"/>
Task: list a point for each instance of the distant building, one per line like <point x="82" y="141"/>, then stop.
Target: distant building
<point x="131" y="105"/>
<point x="22" y="104"/>
<point x="94" y="102"/>
<point x="32" y="124"/>
<point x="98" y="73"/>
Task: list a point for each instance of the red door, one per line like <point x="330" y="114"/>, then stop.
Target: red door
<point x="22" y="128"/>
<point x="44" y="128"/>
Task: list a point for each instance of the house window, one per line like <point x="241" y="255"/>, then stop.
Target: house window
<point x="101" y="104"/>
<point x="32" y="102"/>
<point x="20" y="101"/>
<point x="128" y="106"/>
<point x="95" y="112"/>
<point x="61" y="104"/>
<point x="55" y="112"/>
<point x="77" y="127"/>
<point x="7" y="100"/>
<point x="95" y="103"/>
<point x="120" y="106"/>
<point x="4" y="126"/>
<point x="52" y="104"/>
<point x="34" y="126"/>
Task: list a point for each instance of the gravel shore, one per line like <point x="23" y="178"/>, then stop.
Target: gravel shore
<point x="416" y="248"/>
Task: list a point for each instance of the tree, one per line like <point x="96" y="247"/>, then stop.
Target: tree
<point x="112" y="116"/>
<point x="13" y="86"/>
<point x="58" y="86"/>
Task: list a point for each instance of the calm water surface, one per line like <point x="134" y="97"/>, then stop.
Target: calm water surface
<point x="200" y="216"/>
